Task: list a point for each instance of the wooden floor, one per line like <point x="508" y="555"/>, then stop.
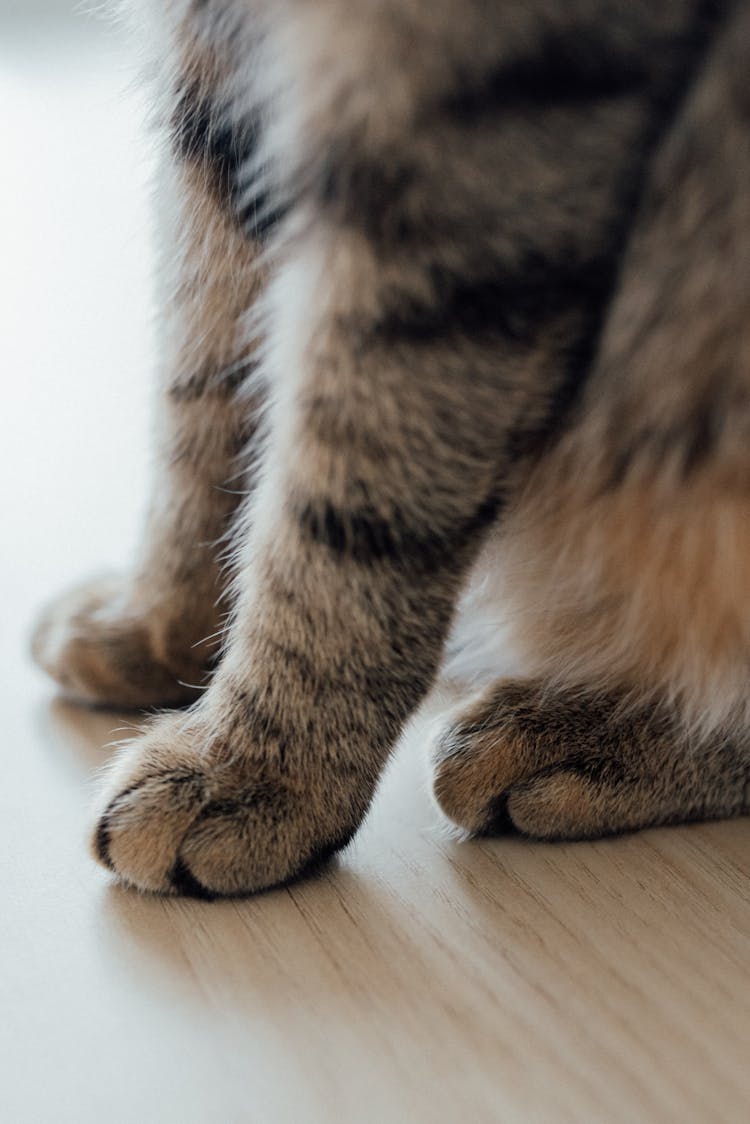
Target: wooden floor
<point x="419" y="979"/>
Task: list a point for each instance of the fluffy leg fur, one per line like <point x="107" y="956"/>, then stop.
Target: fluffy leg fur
<point x="626" y="557"/>
<point x="147" y="638"/>
<point x="413" y="363"/>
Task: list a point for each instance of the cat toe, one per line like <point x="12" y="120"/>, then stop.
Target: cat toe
<point x="139" y="834"/>
<point x="560" y="804"/>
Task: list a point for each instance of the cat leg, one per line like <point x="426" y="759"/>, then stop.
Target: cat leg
<point x="421" y="343"/>
<point x="337" y="637"/>
<point x="147" y="638"/>
<point x="387" y="443"/>
<point x="557" y="764"/>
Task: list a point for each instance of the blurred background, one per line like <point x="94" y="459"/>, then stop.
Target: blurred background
<point x="76" y="297"/>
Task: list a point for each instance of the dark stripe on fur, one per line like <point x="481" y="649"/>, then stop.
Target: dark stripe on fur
<point x="687" y="443"/>
<point x="514" y="306"/>
<point x="563" y="73"/>
<point x="590" y="58"/>
<point x="211" y="381"/>
<point x="367" y="538"/>
<point x="204" y="135"/>
<point x="102" y="841"/>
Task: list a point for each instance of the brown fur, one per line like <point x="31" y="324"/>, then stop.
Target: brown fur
<point x="628" y="548"/>
<point x="505" y="278"/>
<point x="558" y="765"/>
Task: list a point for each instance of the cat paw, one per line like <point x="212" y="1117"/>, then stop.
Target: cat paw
<point x="558" y="802"/>
<point x="186" y="813"/>
<point x="522" y="760"/>
<point x="102" y="650"/>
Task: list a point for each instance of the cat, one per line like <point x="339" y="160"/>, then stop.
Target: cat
<point x="456" y="338"/>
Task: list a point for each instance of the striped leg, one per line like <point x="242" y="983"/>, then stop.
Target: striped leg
<point x="348" y="589"/>
<point x="145" y="639"/>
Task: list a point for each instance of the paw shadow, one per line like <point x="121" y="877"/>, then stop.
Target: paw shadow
<point x="336" y="948"/>
<point x="265" y="951"/>
<point x="633" y="899"/>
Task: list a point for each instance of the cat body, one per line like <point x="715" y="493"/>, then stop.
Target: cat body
<point x="456" y="358"/>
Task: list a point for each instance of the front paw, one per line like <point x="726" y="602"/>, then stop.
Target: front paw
<point x="101" y="648"/>
<point x="186" y="813"/>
